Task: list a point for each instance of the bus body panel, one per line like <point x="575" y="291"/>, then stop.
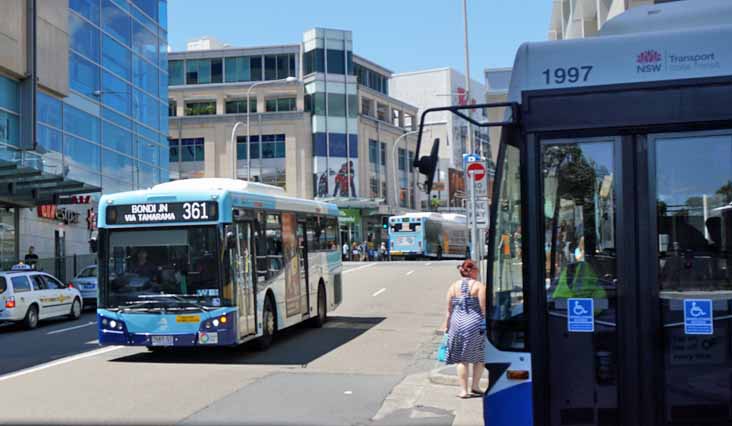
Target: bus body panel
<point x="437" y="235"/>
<point x="507" y="402"/>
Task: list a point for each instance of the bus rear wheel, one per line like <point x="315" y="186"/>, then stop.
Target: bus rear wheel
<point x="322" y="317"/>
<point x="269" y="325"/>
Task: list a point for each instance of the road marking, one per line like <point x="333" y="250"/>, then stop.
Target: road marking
<point x="63" y="330"/>
<point x="428" y="264"/>
<point x="410" y="273"/>
<point x="379" y="292"/>
<point x="93" y="342"/>
<point x="348" y="392"/>
<point x="59" y="362"/>
<point x="360" y="267"/>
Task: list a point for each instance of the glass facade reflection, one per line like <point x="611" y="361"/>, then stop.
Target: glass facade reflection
<point x="115" y="56"/>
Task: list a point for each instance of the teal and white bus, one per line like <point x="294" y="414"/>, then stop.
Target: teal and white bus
<point x="205" y="262"/>
<point x="435" y="235"/>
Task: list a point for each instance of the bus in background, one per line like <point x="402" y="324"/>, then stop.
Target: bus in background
<point x="615" y="165"/>
<point x="205" y="262"/>
<point x="435" y="235"/>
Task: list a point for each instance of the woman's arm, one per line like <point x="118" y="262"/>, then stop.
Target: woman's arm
<point x="446" y="324"/>
<point x="481" y="297"/>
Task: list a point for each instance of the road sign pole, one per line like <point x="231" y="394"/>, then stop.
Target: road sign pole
<point x="473" y="218"/>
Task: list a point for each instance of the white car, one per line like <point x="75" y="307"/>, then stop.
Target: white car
<point x="86" y="282"/>
<point x="28" y="296"/>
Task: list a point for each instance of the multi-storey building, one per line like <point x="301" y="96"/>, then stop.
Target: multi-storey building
<point x="83" y="108"/>
<point x="315" y="119"/>
<point x="438" y="88"/>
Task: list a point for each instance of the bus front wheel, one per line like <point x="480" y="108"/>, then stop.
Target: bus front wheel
<point x="269" y="325"/>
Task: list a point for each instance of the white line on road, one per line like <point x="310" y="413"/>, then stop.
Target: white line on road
<point x="59" y="362"/>
<point x="428" y="264"/>
<point x="93" y="342"/>
<point x="410" y="273"/>
<point x="360" y="267"/>
<point x="71" y="328"/>
<point x="379" y="292"/>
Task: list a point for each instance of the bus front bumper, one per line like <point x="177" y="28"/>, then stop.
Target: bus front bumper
<point x="126" y="330"/>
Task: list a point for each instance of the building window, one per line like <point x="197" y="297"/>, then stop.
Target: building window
<point x="336" y="62"/>
<point x="200" y="108"/>
<point x="373" y="152"/>
<point x="271" y="146"/>
<point x="144" y="42"/>
<point x="116" y="22"/>
<point x="117" y="58"/>
<point x="402" y="159"/>
<point x="83" y="75"/>
<point x="314" y="61"/>
<point x="172" y="108"/>
<point x="382" y="112"/>
<point x="204" y="71"/>
<point x="409" y="121"/>
<point x="279" y="67"/>
<point x="237" y="69"/>
<point x="383" y="154"/>
<point x="86" y="8"/>
<point x="175" y="73"/>
<point x="396" y="117"/>
<point x="239" y="106"/>
<point x="374" y="187"/>
<point x="255" y="65"/>
<point x="367" y="107"/>
<point x="280" y="104"/>
<point x="371" y="79"/>
<point x="191" y="149"/>
<point x="336" y="105"/>
<point x="270" y="67"/>
<point x="83" y="37"/>
<point x="116" y="93"/>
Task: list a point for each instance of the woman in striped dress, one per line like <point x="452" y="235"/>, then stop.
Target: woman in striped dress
<point x="465" y="324"/>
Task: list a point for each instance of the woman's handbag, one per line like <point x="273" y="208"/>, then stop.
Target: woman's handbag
<point x="442" y="352"/>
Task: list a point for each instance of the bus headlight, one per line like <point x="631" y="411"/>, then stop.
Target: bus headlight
<point x="215" y="323"/>
<point x="113" y="324"/>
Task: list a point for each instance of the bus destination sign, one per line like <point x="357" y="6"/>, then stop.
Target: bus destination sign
<point x="194" y="211"/>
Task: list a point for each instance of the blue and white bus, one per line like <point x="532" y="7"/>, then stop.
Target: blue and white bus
<point x="436" y="235"/>
<point x="204" y="262"/>
<point x="614" y="177"/>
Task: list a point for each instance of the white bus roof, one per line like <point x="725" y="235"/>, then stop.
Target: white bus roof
<point x="435" y="216"/>
<point x="222" y="184"/>
<point x="638" y="57"/>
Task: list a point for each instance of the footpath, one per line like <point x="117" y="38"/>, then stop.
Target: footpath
<point x="429" y="397"/>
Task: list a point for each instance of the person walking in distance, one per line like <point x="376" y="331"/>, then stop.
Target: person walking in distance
<point x="31" y="258"/>
<point x="465" y="325"/>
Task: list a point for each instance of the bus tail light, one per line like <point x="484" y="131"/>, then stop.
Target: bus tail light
<point x="517" y="375"/>
<point x="10" y="303"/>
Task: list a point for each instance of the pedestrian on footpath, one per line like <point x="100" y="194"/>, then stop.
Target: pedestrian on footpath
<point x="465" y="325"/>
<point x="345" y="250"/>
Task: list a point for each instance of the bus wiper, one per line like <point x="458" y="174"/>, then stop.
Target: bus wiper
<point x="177" y="298"/>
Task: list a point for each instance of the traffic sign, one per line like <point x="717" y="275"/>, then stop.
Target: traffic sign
<point x="580" y="318"/>
<point x="476" y="171"/>
<point x="698" y="316"/>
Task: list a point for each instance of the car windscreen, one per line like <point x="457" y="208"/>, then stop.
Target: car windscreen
<point x="164" y="267"/>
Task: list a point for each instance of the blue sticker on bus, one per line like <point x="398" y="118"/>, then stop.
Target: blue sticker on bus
<point x="580" y="318"/>
<point x="698" y="316"/>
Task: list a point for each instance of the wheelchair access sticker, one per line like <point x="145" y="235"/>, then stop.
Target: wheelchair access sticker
<point x="698" y="316"/>
<point x="579" y="316"/>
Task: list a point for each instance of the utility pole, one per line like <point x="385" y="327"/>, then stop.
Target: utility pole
<point x="471" y="147"/>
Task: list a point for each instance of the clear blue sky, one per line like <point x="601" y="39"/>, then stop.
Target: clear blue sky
<point x="402" y="35"/>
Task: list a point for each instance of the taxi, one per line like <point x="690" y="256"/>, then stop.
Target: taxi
<point x="28" y="296"/>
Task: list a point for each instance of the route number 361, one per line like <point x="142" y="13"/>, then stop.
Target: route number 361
<point x="194" y="211"/>
<point x="567" y="75"/>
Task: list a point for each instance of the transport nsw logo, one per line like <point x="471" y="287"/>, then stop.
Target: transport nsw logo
<point x="649" y="61"/>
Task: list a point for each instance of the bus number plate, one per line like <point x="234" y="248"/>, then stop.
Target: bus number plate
<point x="188" y="318"/>
<point x="162" y="340"/>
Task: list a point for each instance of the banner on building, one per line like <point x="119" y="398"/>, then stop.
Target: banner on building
<point x="336" y="177"/>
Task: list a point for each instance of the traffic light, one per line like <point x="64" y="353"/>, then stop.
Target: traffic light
<point x="427" y="165"/>
<point x="385" y="222"/>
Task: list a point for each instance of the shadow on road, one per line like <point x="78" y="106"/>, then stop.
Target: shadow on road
<point x="297" y="345"/>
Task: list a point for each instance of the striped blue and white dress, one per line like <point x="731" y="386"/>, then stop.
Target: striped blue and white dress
<point x="466" y="341"/>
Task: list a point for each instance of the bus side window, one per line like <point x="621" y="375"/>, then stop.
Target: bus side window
<point x="260" y="242"/>
<point x="331" y="234"/>
<point x="314" y="232"/>
<point x="274" y="244"/>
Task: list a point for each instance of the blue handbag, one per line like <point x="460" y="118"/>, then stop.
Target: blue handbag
<point x="442" y="352"/>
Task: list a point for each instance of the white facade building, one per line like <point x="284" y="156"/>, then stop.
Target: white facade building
<point x="437" y="88"/>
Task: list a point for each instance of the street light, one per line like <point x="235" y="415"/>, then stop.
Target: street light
<point x="234" y="150"/>
<point x="394" y="160"/>
<point x="249" y="144"/>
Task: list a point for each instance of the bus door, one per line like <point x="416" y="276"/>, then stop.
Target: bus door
<point x="243" y="274"/>
<point x="304" y="267"/>
<point x="579" y="206"/>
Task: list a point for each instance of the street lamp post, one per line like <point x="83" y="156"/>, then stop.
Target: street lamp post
<point x="234" y="151"/>
<point x="249" y="144"/>
<point x="396" y="168"/>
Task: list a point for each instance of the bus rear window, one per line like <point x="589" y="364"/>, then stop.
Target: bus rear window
<point x="396" y="227"/>
<point x="415" y="227"/>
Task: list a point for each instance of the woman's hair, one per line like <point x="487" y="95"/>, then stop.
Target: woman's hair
<point x="467" y="267"/>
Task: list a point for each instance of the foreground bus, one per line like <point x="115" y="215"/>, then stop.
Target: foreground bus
<point x="616" y="164"/>
<point x="207" y="262"/>
<point x="435" y="235"/>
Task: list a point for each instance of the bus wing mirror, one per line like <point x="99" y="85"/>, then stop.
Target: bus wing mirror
<point x="427" y="165"/>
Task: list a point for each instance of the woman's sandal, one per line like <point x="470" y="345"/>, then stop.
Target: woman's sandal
<point x="466" y="396"/>
<point x="474" y="392"/>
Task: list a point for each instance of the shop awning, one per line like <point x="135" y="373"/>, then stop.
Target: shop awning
<point x="25" y="183"/>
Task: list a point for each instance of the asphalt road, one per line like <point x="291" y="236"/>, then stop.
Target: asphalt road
<point x="339" y="374"/>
